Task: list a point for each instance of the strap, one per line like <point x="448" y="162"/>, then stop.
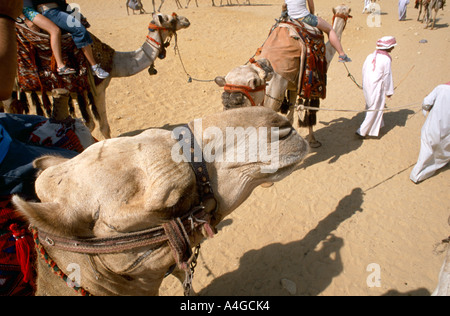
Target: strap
<point x="152" y="236"/>
<point x="243" y="89"/>
<point x="194" y="156"/>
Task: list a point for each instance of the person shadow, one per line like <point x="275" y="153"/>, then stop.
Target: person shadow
<point x="311" y="262"/>
<point x="338" y="137"/>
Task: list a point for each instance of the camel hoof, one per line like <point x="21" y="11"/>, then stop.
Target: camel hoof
<point x="315" y="144"/>
<point x="267" y="184"/>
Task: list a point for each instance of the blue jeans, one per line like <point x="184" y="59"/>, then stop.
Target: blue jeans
<point x="310" y="19"/>
<point x="17" y="174"/>
<point x="68" y="23"/>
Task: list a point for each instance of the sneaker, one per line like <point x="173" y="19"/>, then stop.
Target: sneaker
<point x="99" y="72"/>
<point x="344" y="58"/>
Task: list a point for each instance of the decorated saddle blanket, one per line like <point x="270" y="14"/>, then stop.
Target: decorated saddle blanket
<point x="32" y="137"/>
<point x="37" y="70"/>
<point x="11" y="276"/>
<point x="297" y="52"/>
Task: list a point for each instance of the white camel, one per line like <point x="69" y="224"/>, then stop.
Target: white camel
<point x="126" y="211"/>
<point x="245" y="85"/>
<point x="126" y="64"/>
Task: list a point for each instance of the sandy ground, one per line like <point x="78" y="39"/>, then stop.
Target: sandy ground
<point x="351" y="207"/>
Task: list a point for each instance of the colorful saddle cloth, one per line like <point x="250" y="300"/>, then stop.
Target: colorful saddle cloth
<point x="37" y="69"/>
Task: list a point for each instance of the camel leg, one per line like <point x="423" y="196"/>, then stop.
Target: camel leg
<point x="434" y="19"/>
<point x="313" y="142"/>
<point x="162" y="2"/>
<point x="100" y="103"/>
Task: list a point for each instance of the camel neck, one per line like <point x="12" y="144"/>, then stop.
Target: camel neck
<point x="127" y="64"/>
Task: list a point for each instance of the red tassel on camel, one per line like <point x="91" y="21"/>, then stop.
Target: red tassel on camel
<point x="23" y="252"/>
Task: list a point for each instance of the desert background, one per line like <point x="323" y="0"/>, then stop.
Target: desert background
<point x="351" y="205"/>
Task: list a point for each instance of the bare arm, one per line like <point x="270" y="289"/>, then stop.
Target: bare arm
<point x="311" y="6"/>
<point x="9" y="10"/>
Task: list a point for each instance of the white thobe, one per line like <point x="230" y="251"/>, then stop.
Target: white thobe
<point x="402" y="9"/>
<point x="366" y="5"/>
<point x="377" y="84"/>
<point x="435" y="136"/>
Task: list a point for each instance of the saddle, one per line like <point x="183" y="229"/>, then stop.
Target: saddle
<point x="297" y="53"/>
<point x="37" y="69"/>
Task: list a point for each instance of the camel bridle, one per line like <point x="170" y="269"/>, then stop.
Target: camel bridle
<point x="176" y="232"/>
<point x="157" y="43"/>
<point x="343" y="16"/>
<point x="246" y="90"/>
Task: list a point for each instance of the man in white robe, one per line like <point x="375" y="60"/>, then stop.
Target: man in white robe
<point x="377" y="84"/>
<point x="367" y="4"/>
<point x="435" y="136"/>
<point x="402" y="9"/>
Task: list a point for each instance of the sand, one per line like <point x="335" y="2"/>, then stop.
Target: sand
<point x="349" y="222"/>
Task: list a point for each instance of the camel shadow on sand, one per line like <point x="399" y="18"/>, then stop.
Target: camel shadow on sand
<point x="311" y="263"/>
<point x="334" y="147"/>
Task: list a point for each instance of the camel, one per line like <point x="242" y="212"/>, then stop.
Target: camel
<point x="434" y="5"/>
<point x="422" y="5"/>
<point x="135" y="5"/>
<point x="278" y="85"/>
<point x="245" y="85"/>
<point x="178" y="3"/>
<point x="126" y="64"/>
<point x="132" y="203"/>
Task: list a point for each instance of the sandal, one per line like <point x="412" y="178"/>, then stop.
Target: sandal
<point x="66" y="71"/>
<point x="344" y="58"/>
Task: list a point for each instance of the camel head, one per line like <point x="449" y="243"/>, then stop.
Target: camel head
<point x="245" y="85"/>
<point x="343" y="12"/>
<point x="170" y="23"/>
<point x="342" y="9"/>
<point x="130" y="184"/>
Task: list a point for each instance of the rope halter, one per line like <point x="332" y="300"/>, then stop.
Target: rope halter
<point x="152" y="27"/>
<point x="232" y="88"/>
<point x="246" y="90"/>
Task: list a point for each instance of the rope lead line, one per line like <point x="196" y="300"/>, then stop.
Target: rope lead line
<point x="415" y="104"/>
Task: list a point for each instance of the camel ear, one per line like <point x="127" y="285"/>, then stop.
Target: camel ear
<point x="267" y="67"/>
<point x="220" y="81"/>
<point x="51" y="217"/>
<point x="349" y="10"/>
<point x="48" y="161"/>
<point x="334" y="10"/>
